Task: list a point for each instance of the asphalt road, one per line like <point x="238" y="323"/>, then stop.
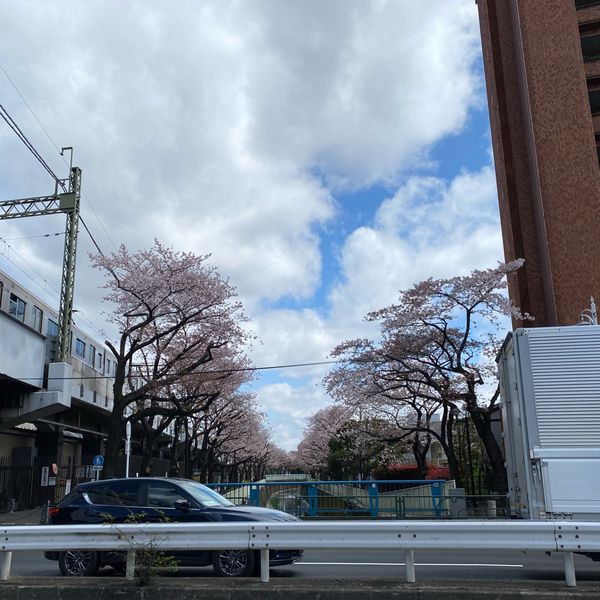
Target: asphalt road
<point x="380" y="564"/>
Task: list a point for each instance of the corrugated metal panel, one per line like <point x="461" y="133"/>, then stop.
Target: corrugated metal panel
<point x="565" y="367"/>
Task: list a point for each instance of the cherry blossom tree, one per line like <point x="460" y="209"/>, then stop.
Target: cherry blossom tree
<point x="360" y="447"/>
<point x="432" y="355"/>
<point x="172" y="312"/>
<point x="313" y="449"/>
<point x="232" y="440"/>
<point x="281" y="461"/>
<point x="220" y="379"/>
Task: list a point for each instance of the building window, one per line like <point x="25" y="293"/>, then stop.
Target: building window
<point x="99" y="361"/>
<point x="16" y="308"/>
<point x="1" y="290"/>
<point x="79" y="348"/>
<point x="38" y="317"/>
<point x="91" y="355"/>
<point x="52" y="328"/>
<point x="110" y="367"/>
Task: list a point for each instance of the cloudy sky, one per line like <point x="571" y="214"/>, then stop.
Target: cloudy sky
<point x="327" y="153"/>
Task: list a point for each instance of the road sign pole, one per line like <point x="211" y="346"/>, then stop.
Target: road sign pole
<point x="127" y="447"/>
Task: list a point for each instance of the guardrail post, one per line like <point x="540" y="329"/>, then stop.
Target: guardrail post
<point x="5" y="560"/>
<point x="400" y="508"/>
<point x="436" y="498"/>
<point x="130" y="567"/>
<point x="569" y="565"/>
<point x="374" y="499"/>
<point x="410" y="566"/>
<point x="313" y="499"/>
<point x="254" y="496"/>
<point x="264" y="565"/>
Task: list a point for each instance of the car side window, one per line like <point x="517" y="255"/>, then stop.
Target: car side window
<point x="96" y="494"/>
<point x="163" y="495"/>
<point x="122" y="493"/>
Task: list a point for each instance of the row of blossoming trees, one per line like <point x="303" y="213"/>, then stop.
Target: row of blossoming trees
<point x="181" y="365"/>
<point x="430" y="370"/>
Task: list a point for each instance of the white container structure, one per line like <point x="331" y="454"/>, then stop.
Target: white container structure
<point x="550" y="388"/>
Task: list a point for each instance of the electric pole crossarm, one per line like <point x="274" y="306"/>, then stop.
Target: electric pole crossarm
<point x="32" y="207"/>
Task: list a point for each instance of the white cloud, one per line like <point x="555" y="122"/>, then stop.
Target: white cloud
<point x="429" y="228"/>
<point x="288" y="406"/>
<point x="201" y="125"/>
<point x="225" y="127"/>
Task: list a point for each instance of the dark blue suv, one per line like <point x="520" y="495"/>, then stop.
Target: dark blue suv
<point x="155" y="500"/>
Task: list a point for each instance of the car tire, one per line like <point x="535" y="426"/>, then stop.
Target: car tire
<point x="233" y="563"/>
<point x="78" y="563"/>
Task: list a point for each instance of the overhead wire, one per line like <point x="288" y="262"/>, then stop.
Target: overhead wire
<point x="19" y="133"/>
<point x="91" y="236"/>
<point x="61" y="155"/>
<point x="207" y="372"/>
<point x="17" y="130"/>
<point x="56" y="295"/>
<point x="29" y="107"/>
<point x="29" y="237"/>
<point x="30" y="267"/>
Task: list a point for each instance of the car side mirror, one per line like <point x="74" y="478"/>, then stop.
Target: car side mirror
<point x="182" y="504"/>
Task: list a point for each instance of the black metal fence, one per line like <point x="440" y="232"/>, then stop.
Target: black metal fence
<point x="43" y="481"/>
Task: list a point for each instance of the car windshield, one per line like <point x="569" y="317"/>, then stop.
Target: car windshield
<point x="204" y="495"/>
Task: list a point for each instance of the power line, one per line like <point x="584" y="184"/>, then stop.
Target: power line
<point x="58" y="150"/>
<point x="56" y="296"/>
<point x="11" y="123"/>
<point x="208" y="372"/>
<point x="19" y="133"/>
<point x="29" y="107"/>
<point x="91" y="236"/>
<point x="29" y="266"/>
<point x="29" y="237"/>
<point x="101" y="225"/>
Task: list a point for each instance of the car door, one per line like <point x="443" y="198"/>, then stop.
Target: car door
<point x="163" y="503"/>
<point x="115" y="502"/>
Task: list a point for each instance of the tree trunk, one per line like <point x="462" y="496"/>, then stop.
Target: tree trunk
<point x="483" y="425"/>
<point x="420" y="453"/>
<point x="150" y="440"/>
<point x="114" y="441"/>
<point x="447" y="441"/>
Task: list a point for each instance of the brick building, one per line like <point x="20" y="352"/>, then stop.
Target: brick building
<point x="542" y="68"/>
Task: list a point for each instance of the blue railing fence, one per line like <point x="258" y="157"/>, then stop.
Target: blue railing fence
<point x="369" y="499"/>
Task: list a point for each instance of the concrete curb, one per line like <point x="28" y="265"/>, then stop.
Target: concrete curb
<point x="95" y="588"/>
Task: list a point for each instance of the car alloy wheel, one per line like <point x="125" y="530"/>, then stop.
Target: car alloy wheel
<point x="233" y="563"/>
<point x="78" y="563"/>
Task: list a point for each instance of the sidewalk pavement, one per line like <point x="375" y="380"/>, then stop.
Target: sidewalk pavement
<point x="23" y="517"/>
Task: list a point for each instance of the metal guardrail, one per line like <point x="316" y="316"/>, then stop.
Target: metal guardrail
<point x="548" y="536"/>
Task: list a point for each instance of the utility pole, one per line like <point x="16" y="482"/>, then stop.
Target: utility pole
<point x="68" y="203"/>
